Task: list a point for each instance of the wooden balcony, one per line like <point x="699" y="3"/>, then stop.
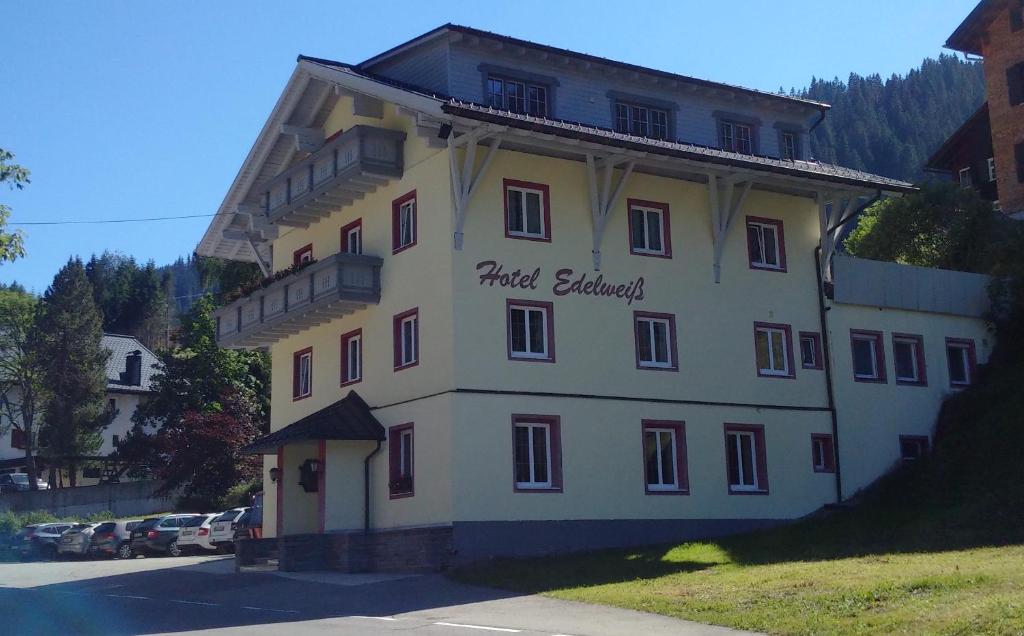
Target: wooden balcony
<point x="328" y="289"/>
<point x="344" y="169"/>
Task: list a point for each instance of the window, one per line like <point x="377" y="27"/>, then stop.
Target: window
<point x="351" y="357"/>
<point x="531" y="331"/>
<point x="823" y="457"/>
<point x="810" y="350"/>
<point x="302" y="255"/>
<point x="18" y="438"/>
<point x="112" y="405"/>
<point x="527" y="210"/>
<point x="517" y="96"/>
<point x="790" y="145"/>
<point x="766" y="244"/>
<point x="115" y="440"/>
<point x="536" y="453"/>
<point x="991" y="168"/>
<point x="302" y="373"/>
<point x="965" y="178"/>
<point x="908" y="357"/>
<point x="400" y="461"/>
<point x="91" y="472"/>
<point x="913" y="447"/>
<point x="745" y="461"/>
<point x="868" y="356"/>
<point x="961" y="360"/>
<point x="1016" y="16"/>
<point x="655" y="336"/>
<point x="665" y="457"/>
<point x="773" y="349"/>
<point x="352" y="237"/>
<point x="642" y="121"/>
<point x="407" y="339"/>
<point x="649" y="230"/>
<point x="1018" y="156"/>
<point x="1015" y="83"/>
<point x="403" y="222"/>
<point x="736" y="137"/>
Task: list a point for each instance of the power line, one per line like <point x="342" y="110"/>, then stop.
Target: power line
<point x="98" y="221"/>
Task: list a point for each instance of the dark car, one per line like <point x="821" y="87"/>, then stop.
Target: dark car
<point x="113" y="539"/>
<point x="158" y="535"/>
<point x="18" y="482"/>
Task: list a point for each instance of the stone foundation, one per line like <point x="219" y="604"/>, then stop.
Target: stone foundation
<point x="407" y="550"/>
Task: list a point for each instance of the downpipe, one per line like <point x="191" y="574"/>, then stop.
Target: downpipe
<point x="827" y="366"/>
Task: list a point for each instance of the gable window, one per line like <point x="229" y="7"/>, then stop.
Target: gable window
<point x="966" y="180"/>
<point x="665" y="457"/>
<point x="745" y="460"/>
<point x="527" y="210"/>
<point x="655" y="336"/>
<point x="403" y="222"/>
<point x="766" y="244"/>
<point x="736" y="137"/>
<point x="531" y="330"/>
<point x="642" y="121"/>
<point x="517" y="96"/>
<point x="400" y="461"/>
<point x="913" y="447"/>
<point x="649" y="230"/>
<point x="790" y="145"/>
<point x="352" y="237"/>
<point x="406" y="339"/>
<point x="908" y="358"/>
<point x="351" y="357"/>
<point x="302" y="373"/>
<point x="991" y="163"/>
<point x="810" y="350"/>
<point x="536" y="453"/>
<point x="302" y="255"/>
<point x="823" y="457"/>
<point x="961" y="360"/>
<point x="1015" y="83"/>
<point x="868" y="356"/>
<point x="773" y="350"/>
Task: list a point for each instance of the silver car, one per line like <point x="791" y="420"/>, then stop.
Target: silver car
<point x="77" y="539"/>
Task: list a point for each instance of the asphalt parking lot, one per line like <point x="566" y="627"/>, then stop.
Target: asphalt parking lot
<point x="191" y="594"/>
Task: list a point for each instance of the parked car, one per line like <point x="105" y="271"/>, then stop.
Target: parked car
<point x="222" y="533"/>
<point x="22" y="535"/>
<point x="113" y="539"/>
<point x="18" y="482"/>
<point x="159" y="535"/>
<point x="194" y="535"/>
<point x="42" y="541"/>
<point x="76" y="539"/>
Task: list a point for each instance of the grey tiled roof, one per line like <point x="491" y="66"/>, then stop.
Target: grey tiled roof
<point x="120" y="346"/>
<point x="347" y="419"/>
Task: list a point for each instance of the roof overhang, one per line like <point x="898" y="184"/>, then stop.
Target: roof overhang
<point x="970" y="35"/>
<point x="348" y="419"/>
<point x="939" y="159"/>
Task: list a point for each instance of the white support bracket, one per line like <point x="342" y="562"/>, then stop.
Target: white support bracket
<point x="306" y="139"/>
<point x="725" y="196"/>
<point x="466" y="180"/>
<point x="835" y="209"/>
<point x="603" y="196"/>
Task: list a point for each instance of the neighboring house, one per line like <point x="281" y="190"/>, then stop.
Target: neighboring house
<point x="967" y="156"/>
<point x="549" y="301"/>
<point x="130" y="369"/>
<point x="995" y="31"/>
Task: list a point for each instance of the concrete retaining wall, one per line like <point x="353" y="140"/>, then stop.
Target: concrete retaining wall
<point x="135" y="498"/>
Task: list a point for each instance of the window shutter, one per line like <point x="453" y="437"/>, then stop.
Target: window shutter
<point x="1018" y="154"/>
<point x="295" y="375"/>
<point x="1017" y="16"/>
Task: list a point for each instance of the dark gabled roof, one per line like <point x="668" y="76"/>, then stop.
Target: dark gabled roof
<point x="119" y="347"/>
<point x="696" y="152"/>
<point x="940" y="158"/>
<point x="968" y="36"/>
<point x="347" y="419"/>
<point x="351" y="68"/>
<point x="588" y="58"/>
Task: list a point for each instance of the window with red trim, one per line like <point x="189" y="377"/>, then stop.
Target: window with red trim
<point x="303" y="255"/>
<point x="823" y="454"/>
<point x="664" y="444"/>
<point x="810" y="350"/>
<point x="655" y="338"/>
<point x="352" y="237"/>
<point x="536" y="453"/>
<point x="773" y="349"/>
<point x="401" y="463"/>
<point x="908" y="359"/>
<point x="745" y="459"/>
<point x="527" y="210"/>
<point x="403" y="222"/>
<point x="868" y="356"/>
<point x="531" y="330"/>
<point x="649" y="229"/>
<point x="766" y="244"/>
<point x="961" y="361"/>
<point x="407" y="339"/>
<point x="351" y="357"/>
<point x="18" y="438"/>
<point x="302" y="373"/>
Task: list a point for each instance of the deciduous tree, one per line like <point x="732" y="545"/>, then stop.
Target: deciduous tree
<point x="21" y="375"/>
<point x="12" y="244"/>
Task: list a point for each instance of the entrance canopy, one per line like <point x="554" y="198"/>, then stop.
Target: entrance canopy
<point x="347" y="419"/>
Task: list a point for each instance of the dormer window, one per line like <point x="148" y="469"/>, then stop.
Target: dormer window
<point x="789" y="146"/>
<point x="517" y="96"/>
<point x="642" y="121"/>
<point x="736" y="137"/>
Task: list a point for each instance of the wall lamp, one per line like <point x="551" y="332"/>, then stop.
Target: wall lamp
<point x="275" y="473"/>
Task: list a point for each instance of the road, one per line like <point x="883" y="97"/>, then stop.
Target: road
<point x="193" y="594"/>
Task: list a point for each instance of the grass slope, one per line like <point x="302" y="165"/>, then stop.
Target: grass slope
<point x="934" y="548"/>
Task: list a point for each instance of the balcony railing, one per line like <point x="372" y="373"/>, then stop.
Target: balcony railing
<point x="338" y="285"/>
<point x="343" y="170"/>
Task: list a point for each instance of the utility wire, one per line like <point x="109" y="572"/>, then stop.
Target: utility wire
<point x="98" y="221"/>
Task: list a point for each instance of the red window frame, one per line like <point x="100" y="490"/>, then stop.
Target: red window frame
<point x="819" y="362"/>
<point x="549" y="320"/>
<point x="673" y="348"/>
<point x="666" y="226"/>
<point x="296" y="362"/>
<point x="545" y="191"/>
<point x="305" y="250"/>
<point x="780" y="235"/>
<point x="396" y="230"/>
<point x="397" y="342"/>
<point x="343" y="234"/>
<point x="760" y="457"/>
<point x="344" y="339"/>
<point x="828" y="453"/>
<point x="554" y="424"/>
<point x="879" y="344"/>
<point x="788" y="330"/>
<point x="972" y="360"/>
<point x="394" y="461"/>
<point x="917" y="342"/>
<point x="682" y="465"/>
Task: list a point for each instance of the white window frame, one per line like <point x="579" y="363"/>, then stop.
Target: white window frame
<point x="815" y="363"/>
<point x="991" y="164"/>
<point x="354" y="240"/>
<point x="873" y="342"/>
<point x="638" y="114"/>
<point x="789" y="145"/>
<point x="406" y="223"/>
<point x="965" y="359"/>
<point x="731" y="138"/>
<point x="768" y="331"/>
<point x="529" y="355"/>
<point x="532" y="427"/>
<point x="966" y="178"/>
<point x="737" y="449"/>
<point x="760" y="228"/>
<point x="541" y="211"/>
<point x="524" y="105"/>
<point x="646" y="249"/>
<point x="915" y="350"/>
<point x="305" y="374"/>
<point x="356" y="359"/>
<point x="410" y="355"/>
<point x="658" y="432"/>
<point x="648" y="331"/>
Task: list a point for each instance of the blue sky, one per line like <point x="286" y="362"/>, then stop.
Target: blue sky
<point x="142" y="109"/>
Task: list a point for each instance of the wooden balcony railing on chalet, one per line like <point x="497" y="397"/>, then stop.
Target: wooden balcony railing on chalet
<point x="344" y="169"/>
<point x="337" y="285"/>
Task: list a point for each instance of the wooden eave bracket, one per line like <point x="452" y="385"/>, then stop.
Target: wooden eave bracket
<point x="603" y="195"/>
<point x="466" y="180"/>
<point x="835" y="209"/>
<point x="726" y="195"/>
